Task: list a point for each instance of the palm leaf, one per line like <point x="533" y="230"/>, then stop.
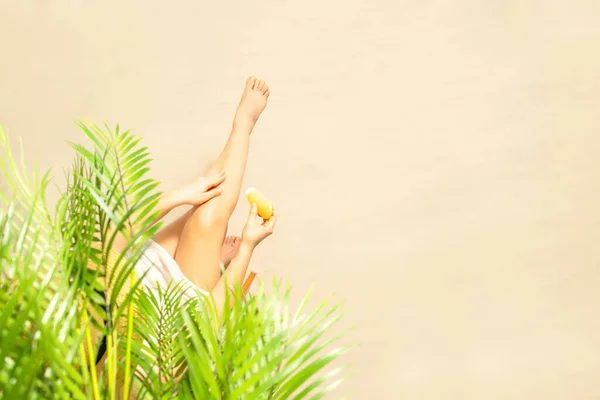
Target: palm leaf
<point x="63" y="290"/>
<point x="38" y="339"/>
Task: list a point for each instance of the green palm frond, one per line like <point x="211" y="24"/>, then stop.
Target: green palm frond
<point x="38" y="319"/>
<point x="25" y="197"/>
<point x="68" y="284"/>
<point x="39" y="340"/>
<point x="256" y="352"/>
<point x="158" y="324"/>
<point x="26" y="193"/>
<point x="125" y="200"/>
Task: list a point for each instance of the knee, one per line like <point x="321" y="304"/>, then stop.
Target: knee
<point x="207" y="218"/>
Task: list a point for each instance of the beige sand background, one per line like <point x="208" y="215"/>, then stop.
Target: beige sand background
<point x="435" y="162"/>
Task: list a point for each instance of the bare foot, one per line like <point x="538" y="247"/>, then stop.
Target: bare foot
<point x="230" y="249"/>
<point x="254" y="101"/>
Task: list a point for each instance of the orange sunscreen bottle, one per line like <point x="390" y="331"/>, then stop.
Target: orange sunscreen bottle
<point x="265" y="209"/>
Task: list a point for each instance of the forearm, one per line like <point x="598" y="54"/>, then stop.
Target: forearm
<point x="167" y="202"/>
<point x="233" y="276"/>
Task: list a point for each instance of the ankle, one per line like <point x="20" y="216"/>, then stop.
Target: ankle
<point x="243" y="123"/>
<point x="244" y="119"/>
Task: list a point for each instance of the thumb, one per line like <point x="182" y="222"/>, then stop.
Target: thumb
<point x="253" y="213"/>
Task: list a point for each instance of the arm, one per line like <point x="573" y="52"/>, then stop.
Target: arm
<point x="254" y="233"/>
<point x="233" y="275"/>
<point x="196" y="193"/>
<point x="168" y="202"/>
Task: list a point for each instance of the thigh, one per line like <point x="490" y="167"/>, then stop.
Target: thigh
<point x="198" y="251"/>
<point x="168" y="237"/>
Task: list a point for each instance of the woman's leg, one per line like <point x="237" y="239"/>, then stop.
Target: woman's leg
<point x="199" y="247"/>
<point x="168" y="238"/>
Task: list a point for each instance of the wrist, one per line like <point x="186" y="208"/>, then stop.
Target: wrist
<point x="248" y="244"/>
<point x="174" y="199"/>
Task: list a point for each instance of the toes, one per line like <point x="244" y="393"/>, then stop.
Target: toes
<point x="267" y="93"/>
<point x="257" y="84"/>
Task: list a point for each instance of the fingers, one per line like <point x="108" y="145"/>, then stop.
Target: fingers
<point x="270" y="223"/>
<point x="253" y="213"/>
<point x="216" y="180"/>
<point x="211" y="194"/>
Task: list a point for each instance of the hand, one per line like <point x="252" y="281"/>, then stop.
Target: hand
<point x="254" y="232"/>
<point x="202" y="190"/>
